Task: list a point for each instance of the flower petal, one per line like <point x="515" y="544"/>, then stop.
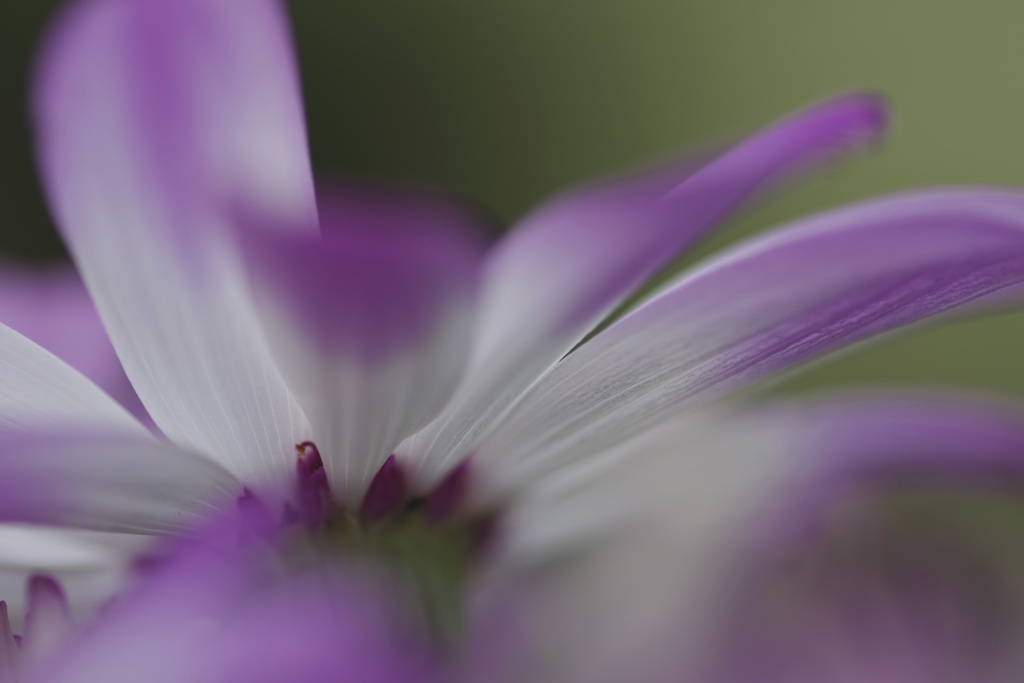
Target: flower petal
<point x="89" y="480"/>
<point x="158" y="121"/>
<point x="52" y="308"/>
<point x="892" y="556"/>
<point x="39" y="393"/>
<point x="615" y="571"/>
<point x="370" y="324"/>
<point x="569" y="264"/>
<point x="70" y="455"/>
<point x="861" y="443"/>
<point x="87" y="565"/>
<point x="778" y="300"/>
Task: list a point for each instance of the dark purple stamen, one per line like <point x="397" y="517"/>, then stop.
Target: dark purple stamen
<point x="313" y="491"/>
<point x="449" y="495"/>
<point x="387" y="492"/>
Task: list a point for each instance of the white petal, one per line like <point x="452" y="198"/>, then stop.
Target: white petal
<point x="159" y="123"/>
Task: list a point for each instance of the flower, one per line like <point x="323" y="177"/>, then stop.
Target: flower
<point x="429" y="385"/>
<point x="907" y="606"/>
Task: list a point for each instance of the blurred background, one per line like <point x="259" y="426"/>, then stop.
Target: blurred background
<point x="507" y="102"/>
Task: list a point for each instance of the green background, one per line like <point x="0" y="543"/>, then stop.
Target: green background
<point x="508" y="101"/>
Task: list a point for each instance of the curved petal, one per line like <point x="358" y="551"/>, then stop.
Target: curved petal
<point x="570" y="263"/>
<point x="370" y="325"/>
<point x="52" y="308"/>
<point x="791" y="295"/>
<point x="157" y="121"/>
<point x="40" y="393"/>
<point x="89" y="480"/>
<point x="70" y="455"/>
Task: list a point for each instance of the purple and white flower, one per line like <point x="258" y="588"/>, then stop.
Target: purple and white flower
<point x="420" y="375"/>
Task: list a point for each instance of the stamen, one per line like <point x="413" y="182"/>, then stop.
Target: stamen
<point x="313" y="492"/>
<point x="386" y="494"/>
<point x="450" y="494"/>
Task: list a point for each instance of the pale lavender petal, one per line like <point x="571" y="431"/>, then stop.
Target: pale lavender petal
<point x="370" y="323"/>
<point x="158" y="121"/>
<point x="92" y="480"/>
<point x="786" y="297"/>
<point x="52" y="308"/>
<point x="560" y="272"/>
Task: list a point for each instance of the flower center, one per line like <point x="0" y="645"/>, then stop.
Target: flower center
<point x="428" y="543"/>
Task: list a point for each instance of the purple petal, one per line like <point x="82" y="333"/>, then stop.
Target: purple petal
<point x="570" y="263"/>
<point x="157" y="122"/>
<point x="370" y="324"/>
<point x="784" y="298"/>
<point x="52" y="308"/>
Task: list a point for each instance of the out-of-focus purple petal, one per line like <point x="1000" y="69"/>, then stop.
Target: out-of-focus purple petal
<point x="352" y="205"/>
<point x="573" y="260"/>
<point x="789" y="296"/>
<point x="853" y="592"/>
<point x="214" y="614"/>
<point x="861" y="444"/>
<point x="370" y="323"/>
<point x="662" y="560"/>
<point x="157" y="122"/>
<point x="52" y="308"/>
<point x="613" y="569"/>
<point x="91" y="480"/>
